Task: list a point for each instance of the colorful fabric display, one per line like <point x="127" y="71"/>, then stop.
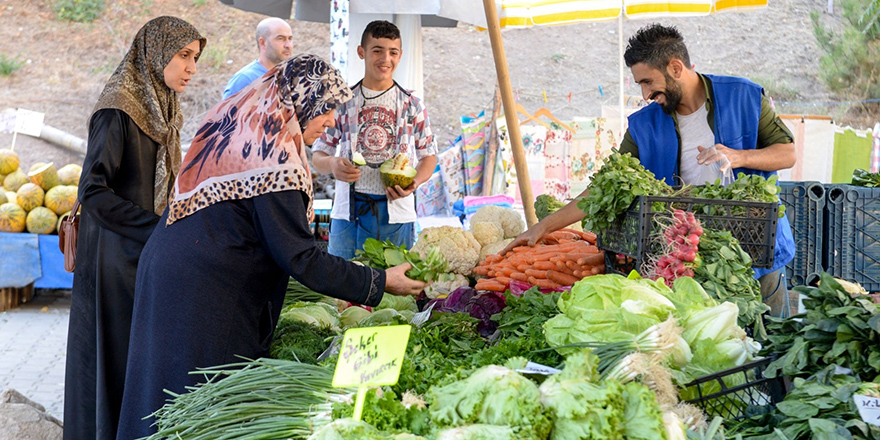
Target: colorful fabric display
<point x="452" y="173"/>
<point x="474" y="151"/>
<point x="430" y="197"/>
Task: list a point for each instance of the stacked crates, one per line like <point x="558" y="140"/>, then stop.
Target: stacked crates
<point x="851" y="248"/>
<point x="805" y="207"/>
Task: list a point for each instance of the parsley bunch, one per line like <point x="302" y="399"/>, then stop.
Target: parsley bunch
<point x="614" y="188"/>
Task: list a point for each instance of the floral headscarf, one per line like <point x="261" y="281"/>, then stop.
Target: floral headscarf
<point x="138" y="88"/>
<point x="251" y="143"/>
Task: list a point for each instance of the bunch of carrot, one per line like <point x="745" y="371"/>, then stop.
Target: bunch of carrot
<point x="561" y="259"/>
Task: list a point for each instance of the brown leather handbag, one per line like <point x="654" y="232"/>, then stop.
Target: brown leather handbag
<point x="67" y="234"/>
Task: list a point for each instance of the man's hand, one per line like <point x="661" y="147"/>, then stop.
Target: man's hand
<point x="396" y="192"/>
<point x="344" y="170"/>
<point x="733" y="157"/>
<point x="396" y="282"/>
<point x="528" y="238"/>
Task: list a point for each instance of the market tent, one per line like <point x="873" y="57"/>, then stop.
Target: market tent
<point x="525" y="13"/>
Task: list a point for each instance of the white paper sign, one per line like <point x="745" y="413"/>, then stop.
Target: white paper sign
<point x="534" y="368"/>
<point x="869" y="408"/>
<point x="29" y="122"/>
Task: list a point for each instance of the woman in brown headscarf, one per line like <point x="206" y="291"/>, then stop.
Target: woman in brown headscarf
<point x="133" y="157"/>
<point x="213" y="275"/>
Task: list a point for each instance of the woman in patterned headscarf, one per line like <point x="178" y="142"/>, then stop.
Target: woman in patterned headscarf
<point x="132" y="159"/>
<point x="213" y="276"/>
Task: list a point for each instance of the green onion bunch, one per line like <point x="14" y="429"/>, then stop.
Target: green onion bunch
<point x="266" y="399"/>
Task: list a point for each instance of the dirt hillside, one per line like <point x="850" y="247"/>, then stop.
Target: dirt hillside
<point x="66" y="64"/>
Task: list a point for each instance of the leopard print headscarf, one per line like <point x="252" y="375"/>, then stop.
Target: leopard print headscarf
<point x="251" y="143"/>
<point x="138" y="88"/>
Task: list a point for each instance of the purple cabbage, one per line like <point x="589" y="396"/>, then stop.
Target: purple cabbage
<point x="479" y="305"/>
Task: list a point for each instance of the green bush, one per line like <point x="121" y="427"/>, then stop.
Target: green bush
<point x="851" y="63"/>
<point x="82" y="11"/>
<point x="9" y="65"/>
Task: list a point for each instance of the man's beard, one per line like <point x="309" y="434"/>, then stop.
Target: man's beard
<point x="673" y="95"/>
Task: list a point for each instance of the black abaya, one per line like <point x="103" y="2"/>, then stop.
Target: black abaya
<point x="209" y="290"/>
<point x="116" y="193"/>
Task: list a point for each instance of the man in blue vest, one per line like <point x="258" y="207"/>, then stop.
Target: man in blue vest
<point x="674" y="137"/>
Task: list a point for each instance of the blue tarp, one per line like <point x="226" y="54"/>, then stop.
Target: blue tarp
<point x="52" y="264"/>
<point x="31" y="258"/>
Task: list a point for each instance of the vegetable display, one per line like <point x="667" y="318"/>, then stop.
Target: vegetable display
<point x="837" y="329"/>
<point x="726" y="274"/>
<point x="564" y="258"/>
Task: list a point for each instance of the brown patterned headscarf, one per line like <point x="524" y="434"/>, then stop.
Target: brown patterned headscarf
<point x="251" y="143"/>
<point x="138" y="88"/>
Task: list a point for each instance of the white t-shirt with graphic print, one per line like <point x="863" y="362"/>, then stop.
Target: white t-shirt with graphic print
<point x="376" y="136"/>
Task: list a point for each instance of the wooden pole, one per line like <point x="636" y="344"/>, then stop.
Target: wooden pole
<point x="519" y="157"/>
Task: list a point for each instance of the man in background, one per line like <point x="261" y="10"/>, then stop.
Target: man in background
<point x="275" y="43"/>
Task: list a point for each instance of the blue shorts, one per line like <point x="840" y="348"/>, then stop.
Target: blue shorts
<point x="347" y="236"/>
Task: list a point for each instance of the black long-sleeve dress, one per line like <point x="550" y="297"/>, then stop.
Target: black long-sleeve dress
<point x="210" y="288"/>
<point x="116" y="193"/>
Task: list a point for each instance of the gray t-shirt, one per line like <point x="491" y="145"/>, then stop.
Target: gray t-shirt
<point x="377" y="136"/>
<point x="695" y="131"/>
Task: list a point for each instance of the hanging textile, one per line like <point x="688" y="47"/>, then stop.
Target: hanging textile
<point x="534" y="138"/>
<point x="452" y="172"/>
<point x="474" y="151"/>
<point x="557" y="179"/>
<point x="591" y="144"/>
<point x="339" y="28"/>
<point x="852" y="149"/>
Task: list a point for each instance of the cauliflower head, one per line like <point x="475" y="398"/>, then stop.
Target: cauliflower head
<point x="494" y="248"/>
<point x="487" y="232"/>
<point x="459" y="247"/>
<point x="511" y="221"/>
<point x="445" y="284"/>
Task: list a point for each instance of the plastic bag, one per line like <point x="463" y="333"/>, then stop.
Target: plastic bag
<point x="717" y="165"/>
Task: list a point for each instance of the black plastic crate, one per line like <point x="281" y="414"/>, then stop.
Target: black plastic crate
<point x="851" y="247"/>
<point x="805" y="208"/>
<point x="636" y="233"/>
<point x="744" y="391"/>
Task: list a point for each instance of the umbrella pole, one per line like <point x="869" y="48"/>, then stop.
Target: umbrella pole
<point x="519" y="157"/>
<point x="620" y="63"/>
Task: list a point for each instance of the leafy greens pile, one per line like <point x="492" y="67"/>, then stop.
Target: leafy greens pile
<point x="753" y="188"/>
<point x="820" y="407"/>
<point x="837" y="329"/>
<point x="614" y="188"/>
<point x="726" y="274"/>
<point x="866" y="179"/>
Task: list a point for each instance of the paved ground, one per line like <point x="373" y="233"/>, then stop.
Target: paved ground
<point x="33" y="347"/>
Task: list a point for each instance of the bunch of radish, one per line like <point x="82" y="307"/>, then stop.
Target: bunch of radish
<point x="681" y="240"/>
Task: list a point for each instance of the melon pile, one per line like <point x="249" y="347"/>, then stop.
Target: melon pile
<point x="35" y="200"/>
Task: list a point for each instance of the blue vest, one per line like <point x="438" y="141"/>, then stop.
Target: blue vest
<point x="737" y="110"/>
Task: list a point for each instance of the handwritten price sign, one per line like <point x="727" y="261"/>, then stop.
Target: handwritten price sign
<point x="869" y="408"/>
<point x="371" y="356"/>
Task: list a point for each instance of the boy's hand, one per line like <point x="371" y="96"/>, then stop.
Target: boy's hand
<point x="344" y="170"/>
<point x="396" y="192"/>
